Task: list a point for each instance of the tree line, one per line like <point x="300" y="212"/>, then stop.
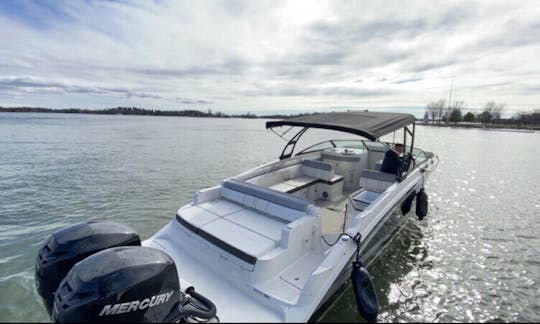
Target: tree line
<point x="438" y="112"/>
<point x="139" y="111"/>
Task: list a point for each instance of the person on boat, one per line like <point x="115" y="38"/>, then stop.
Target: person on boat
<point x="393" y="161"/>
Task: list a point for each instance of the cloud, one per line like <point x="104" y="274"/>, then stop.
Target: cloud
<point x="407" y="80"/>
<point x="30" y="85"/>
<point x="249" y="55"/>
<point x="187" y="101"/>
<point x="290" y="90"/>
<point x="230" y="67"/>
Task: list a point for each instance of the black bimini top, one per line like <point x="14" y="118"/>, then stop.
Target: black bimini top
<point x="371" y="125"/>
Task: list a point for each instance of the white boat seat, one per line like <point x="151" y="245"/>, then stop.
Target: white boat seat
<point x="317" y="180"/>
<point x="272" y="202"/>
<point x="238" y="237"/>
<point x="377" y="181"/>
<point x="270" y="195"/>
<point x="318" y="169"/>
<point x="262" y="219"/>
<point x="222" y="235"/>
<point x="373" y="183"/>
<point x="364" y="198"/>
<point x="242" y="232"/>
<point x="268" y="227"/>
<point x="295" y="184"/>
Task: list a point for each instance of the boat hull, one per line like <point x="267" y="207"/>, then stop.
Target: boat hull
<point x="393" y="222"/>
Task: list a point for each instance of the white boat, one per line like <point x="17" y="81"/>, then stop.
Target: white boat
<point x="272" y="244"/>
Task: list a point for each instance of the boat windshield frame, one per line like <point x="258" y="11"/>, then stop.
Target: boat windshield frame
<point x="335" y="143"/>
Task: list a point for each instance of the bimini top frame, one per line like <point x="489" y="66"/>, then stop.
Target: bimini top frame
<point x="370" y="125"/>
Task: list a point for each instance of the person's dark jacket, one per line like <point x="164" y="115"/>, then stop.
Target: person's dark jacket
<point x="391" y="163"/>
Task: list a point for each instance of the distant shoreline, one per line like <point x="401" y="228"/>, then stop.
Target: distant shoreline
<point x="505" y="126"/>
<point x="133" y="111"/>
<point x="141" y="112"/>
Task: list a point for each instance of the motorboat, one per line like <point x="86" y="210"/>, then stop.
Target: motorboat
<point x="272" y="244"/>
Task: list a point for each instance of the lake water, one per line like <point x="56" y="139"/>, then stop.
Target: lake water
<point x="474" y="258"/>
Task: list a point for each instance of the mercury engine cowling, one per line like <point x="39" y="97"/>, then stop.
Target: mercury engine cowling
<point x="122" y="284"/>
<point x="128" y="284"/>
<point x="72" y="244"/>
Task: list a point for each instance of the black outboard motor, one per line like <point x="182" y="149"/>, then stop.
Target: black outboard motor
<point x="122" y="284"/>
<point x="72" y="244"/>
<point x="127" y="284"/>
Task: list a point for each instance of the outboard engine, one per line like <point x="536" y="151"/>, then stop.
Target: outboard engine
<point x="127" y="284"/>
<point x="72" y="244"/>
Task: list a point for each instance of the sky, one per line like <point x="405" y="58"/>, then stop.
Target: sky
<point x="269" y="56"/>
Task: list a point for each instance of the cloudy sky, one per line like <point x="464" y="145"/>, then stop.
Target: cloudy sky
<point x="266" y="56"/>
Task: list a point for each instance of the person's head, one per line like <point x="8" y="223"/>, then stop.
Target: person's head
<point x="398" y="148"/>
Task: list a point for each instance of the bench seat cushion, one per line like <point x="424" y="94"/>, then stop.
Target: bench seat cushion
<point x="273" y="196"/>
<point x="318" y="169"/>
<point x="197" y="216"/>
<point x="377" y="181"/>
<point x="266" y="226"/>
<point x="239" y="237"/>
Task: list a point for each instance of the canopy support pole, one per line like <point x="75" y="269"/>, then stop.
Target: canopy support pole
<point x="292" y="142"/>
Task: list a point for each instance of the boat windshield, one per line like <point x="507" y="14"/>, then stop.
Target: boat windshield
<point x="363" y="145"/>
<point x="353" y="144"/>
<point x="419" y="156"/>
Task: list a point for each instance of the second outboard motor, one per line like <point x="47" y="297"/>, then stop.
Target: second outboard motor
<point x="127" y="284"/>
<point x="72" y="244"/>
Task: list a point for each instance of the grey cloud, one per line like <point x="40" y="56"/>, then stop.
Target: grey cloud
<point x="356" y="92"/>
<point x="144" y="95"/>
<point x="302" y="65"/>
<point x="324" y="58"/>
<point x="309" y="63"/>
<point x="359" y="31"/>
<point x="233" y="66"/>
<point x="188" y="101"/>
<point x="18" y="82"/>
<point x="191" y="71"/>
<point x="516" y="33"/>
<point x="531" y="90"/>
<point x="407" y="80"/>
<point x="25" y="84"/>
<point x="234" y="7"/>
<point x="357" y="40"/>
<point x="287" y="68"/>
<point x="454" y="16"/>
<point x="294" y="91"/>
<point x="422" y="66"/>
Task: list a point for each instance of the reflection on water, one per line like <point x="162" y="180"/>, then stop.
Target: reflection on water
<point x="474" y="258"/>
<point x="398" y="260"/>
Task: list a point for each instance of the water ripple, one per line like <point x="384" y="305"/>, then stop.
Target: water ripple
<point x="473" y="259"/>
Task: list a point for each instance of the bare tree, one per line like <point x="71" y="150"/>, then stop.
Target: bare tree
<point x="435" y="109"/>
<point x="497" y="110"/>
<point x="492" y="112"/>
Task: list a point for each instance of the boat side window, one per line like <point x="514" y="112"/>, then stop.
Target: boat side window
<point x="376" y="146"/>
<point x="419" y="156"/>
<point x="355" y="144"/>
<point x="317" y="147"/>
